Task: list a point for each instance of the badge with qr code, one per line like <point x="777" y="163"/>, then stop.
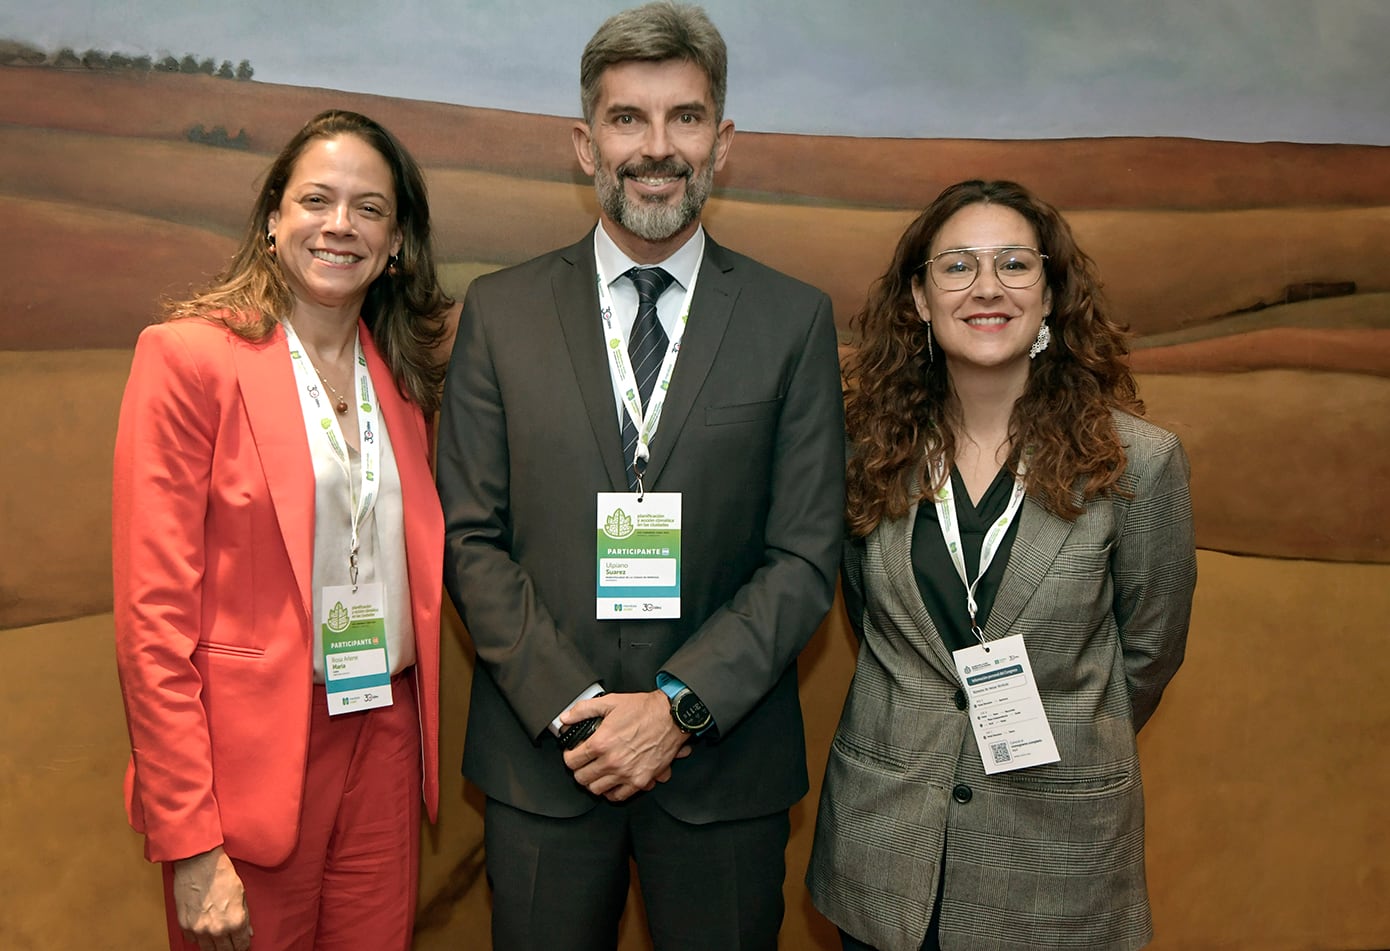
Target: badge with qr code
<point x="1006" y="712"/>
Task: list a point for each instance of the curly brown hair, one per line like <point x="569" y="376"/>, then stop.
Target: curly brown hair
<point x="902" y="415"/>
<point x="405" y="312"/>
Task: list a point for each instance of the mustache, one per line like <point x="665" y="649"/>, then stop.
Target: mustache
<point x="666" y="168"/>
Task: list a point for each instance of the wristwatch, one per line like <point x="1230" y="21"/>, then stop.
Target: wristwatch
<point x="689" y="711"/>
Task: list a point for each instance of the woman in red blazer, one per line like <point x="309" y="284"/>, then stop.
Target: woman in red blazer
<point x="277" y="546"/>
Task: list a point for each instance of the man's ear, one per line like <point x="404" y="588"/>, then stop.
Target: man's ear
<point x="583" y="146"/>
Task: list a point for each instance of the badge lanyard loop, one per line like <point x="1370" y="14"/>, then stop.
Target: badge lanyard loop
<point x="950" y="530"/>
<point x="318" y="415"/>
<point x="643" y="420"/>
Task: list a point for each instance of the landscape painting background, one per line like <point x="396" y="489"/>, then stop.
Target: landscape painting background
<point x="1254" y="275"/>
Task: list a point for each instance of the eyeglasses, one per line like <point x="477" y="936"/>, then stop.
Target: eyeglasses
<point x="957" y="268"/>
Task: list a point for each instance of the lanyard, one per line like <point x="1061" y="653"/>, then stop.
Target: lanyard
<point x="645" y="422"/>
<point x="950" y="530"/>
<point x="319" y="418"/>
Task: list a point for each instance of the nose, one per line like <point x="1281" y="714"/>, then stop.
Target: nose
<point x="987" y="284"/>
<point x="340" y="219"/>
<point x="657" y="142"/>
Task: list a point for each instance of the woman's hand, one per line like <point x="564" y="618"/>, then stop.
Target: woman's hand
<point x="211" y="903"/>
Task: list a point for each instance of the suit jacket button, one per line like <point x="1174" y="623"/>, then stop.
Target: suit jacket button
<point x="961" y="701"/>
<point x="962" y="793"/>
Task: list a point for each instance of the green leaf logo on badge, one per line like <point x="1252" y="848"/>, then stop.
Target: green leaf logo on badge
<point x="618" y="525"/>
<point x="337" y="620"/>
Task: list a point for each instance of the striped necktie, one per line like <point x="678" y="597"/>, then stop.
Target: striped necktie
<point x="646" y="348"/>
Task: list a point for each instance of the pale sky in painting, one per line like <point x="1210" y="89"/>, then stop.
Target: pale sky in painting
<point x="1242" y="70"/>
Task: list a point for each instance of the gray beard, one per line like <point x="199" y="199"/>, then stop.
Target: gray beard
<point x="652" y="220"/>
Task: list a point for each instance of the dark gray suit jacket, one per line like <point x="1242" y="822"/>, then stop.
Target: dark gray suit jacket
<point x="752" y="438"/>
<point x="1047" y="857"/>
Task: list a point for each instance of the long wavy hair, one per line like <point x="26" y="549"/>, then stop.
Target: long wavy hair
<point x="404" y="312"/>
<point x="903" y="417"/>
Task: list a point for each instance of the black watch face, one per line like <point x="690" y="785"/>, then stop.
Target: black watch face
<point x="691" y="712"/>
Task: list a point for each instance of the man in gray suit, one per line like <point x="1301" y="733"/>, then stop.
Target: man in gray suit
<point x="672" y="737"/>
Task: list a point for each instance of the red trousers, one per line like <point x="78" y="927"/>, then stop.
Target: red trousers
<point x="352" y="879"/>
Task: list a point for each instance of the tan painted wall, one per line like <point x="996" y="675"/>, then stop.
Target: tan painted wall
<point x="1264" y="767"/>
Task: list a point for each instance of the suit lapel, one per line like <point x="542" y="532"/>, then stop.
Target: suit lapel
<point x="422" y="520"/>
<point x="716" y="290"/>
<point x="268" y="392"/>
<point x="1039" y="539"/>
<point x="576" y="304"/>
<point x="897" y="562"/>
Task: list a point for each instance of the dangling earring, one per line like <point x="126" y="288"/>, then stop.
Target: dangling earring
<point x="930" y="355"/>
<point x="1039" y="345"/>
<point x="391" y="263"/>
<point x="270" y="242"/>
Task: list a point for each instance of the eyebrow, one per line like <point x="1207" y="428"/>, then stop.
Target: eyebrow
<point x="620" y="108"/>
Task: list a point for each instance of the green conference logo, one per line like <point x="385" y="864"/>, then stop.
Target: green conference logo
<point x="618" y="525"/>
<point x="337" y="620"/>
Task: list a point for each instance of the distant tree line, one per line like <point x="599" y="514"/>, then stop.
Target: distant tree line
<point x="13" y="53"/>
<point x="219" y="137"/>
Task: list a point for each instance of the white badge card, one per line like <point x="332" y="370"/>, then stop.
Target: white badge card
<point x="357" y="672"/>
<point x="1006" y="711"/>
<point x="639" y="556"/>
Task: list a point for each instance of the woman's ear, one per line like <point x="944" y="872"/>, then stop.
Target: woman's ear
<point x="919" y="298"/>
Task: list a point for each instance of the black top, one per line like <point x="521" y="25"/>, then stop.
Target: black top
<point x="937" y="581"/>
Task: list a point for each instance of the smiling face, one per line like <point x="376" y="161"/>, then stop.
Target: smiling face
<point x="653" y="148"/>
<point x="986" y="326"/>
<point x="335" y="226"/>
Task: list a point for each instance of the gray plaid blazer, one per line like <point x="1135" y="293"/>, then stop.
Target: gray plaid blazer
<point x="1047" y="857"/>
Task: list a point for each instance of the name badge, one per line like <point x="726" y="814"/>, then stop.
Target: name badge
<point x="1006" y="711"/>
<point x="356" y="669"/>
<point x="639" y="556"/>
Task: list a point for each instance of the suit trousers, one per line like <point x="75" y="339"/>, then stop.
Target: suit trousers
<point x="351" y="881"/>
<point x="561" y="884"/>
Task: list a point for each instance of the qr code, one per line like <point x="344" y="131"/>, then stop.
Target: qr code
<point x="1000" y="752"/>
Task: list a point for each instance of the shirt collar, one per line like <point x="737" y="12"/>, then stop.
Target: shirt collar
<point x="680" y="265"/>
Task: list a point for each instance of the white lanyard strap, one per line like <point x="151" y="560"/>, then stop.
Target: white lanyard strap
<point x="321" y="422"/>
<point x="950" y="530"/>
<point x="644" y="419"/>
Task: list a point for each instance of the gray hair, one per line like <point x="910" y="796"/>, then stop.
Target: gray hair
<point x="653" y="33"/>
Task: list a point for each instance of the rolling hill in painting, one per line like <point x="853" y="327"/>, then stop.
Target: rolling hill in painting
<point x="1254" y="276"/>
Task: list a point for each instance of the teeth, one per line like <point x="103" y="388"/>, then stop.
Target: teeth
<point x="332" y="258"/>
<point x="656" y="182"/>
<point x="987" y="321"/>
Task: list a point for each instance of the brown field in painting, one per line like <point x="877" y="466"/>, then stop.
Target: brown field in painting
<point x="1353" y="351"/>
<point x="1184" y="231"/>
<point x="1164" y="270"/>
<point x="1263" y="446"/>
<point x="895" y="173"/>
<point x="82" y="277"/>
<point x="111" y="209"/>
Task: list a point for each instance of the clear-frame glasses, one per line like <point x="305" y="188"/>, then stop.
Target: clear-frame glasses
<point x="1015" y="267"/>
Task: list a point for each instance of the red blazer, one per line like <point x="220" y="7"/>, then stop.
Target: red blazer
<point x="212" y="546"/>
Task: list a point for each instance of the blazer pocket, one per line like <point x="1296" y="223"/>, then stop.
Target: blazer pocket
<point x="742" y="412"/>
<point x="229" y="650"/>
<point x="1073" y="787"/>
<point x="878" y="757"/>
